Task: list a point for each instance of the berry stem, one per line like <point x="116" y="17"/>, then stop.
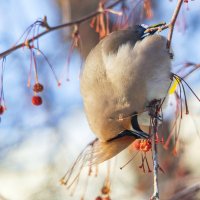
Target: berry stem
<point x="54" y="28"/>
<point x="35" y="67"/>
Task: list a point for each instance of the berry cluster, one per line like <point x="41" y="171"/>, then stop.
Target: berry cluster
<point x="142" y="145"/>
<point x="36" y="99"/>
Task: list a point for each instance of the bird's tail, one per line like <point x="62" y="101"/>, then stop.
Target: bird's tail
<point x="95" y="153"/>
<point x="103" y="151"/>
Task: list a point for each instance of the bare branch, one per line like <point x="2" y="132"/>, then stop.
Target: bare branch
<point x="172" y="23"/>
<point x="50" y="29"/>
<point x="91" y="15"/>
<point x="155" y="195"/>
<point x="155" y="111"/>
<point x="187" y="192"/>
<point x="169" y="25"/>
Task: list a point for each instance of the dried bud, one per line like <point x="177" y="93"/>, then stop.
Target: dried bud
<point x="98" y="198"/>
<point x="105" y="190"/>
<point x="38" y="87"/>
<point x="36" y="100"/>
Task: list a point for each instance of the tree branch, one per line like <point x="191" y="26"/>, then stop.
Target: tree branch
<point x="155" y="195"/>
<point x="50" y="29"/>
<point x="169" y="25"/>
<point x="187" y="192"/>
<point x="91" y="15"/>
<point x="155" y="111"/>
<point x="172" y="23"/>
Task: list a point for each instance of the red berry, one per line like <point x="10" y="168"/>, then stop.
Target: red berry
<point x="59" y="84"/>
<point x="38" y="87"/>
<point x="36" y="100"/>
<point x="1" y="109"/>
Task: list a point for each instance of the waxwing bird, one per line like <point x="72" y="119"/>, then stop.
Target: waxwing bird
<point x="124" y="72"/>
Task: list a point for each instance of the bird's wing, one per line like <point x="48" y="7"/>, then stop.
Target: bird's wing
<point x="101" y="101"/>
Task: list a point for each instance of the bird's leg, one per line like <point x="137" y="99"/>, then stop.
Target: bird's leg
<point x="153" y="112"/>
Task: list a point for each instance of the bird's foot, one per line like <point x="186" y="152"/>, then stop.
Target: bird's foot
<point x="154" y="108"/>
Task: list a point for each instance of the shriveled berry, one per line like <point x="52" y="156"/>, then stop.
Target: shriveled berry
<point x="36" y="100"/>
<point x="105" y="190"/>
<point x="38" y="87"/>
<point x="98" y="198"/>
<point x="142" y="145"/>
<point x="137" y="144"/>
<point x="1" y="109"/>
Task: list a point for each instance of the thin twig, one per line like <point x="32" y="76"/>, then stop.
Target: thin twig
<point x="188" y="192"/>
<point x="50" y="29"/>
<point x="169" y="25"/>
<point x="155" y="195"/>
<point x="172" y="23"/>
